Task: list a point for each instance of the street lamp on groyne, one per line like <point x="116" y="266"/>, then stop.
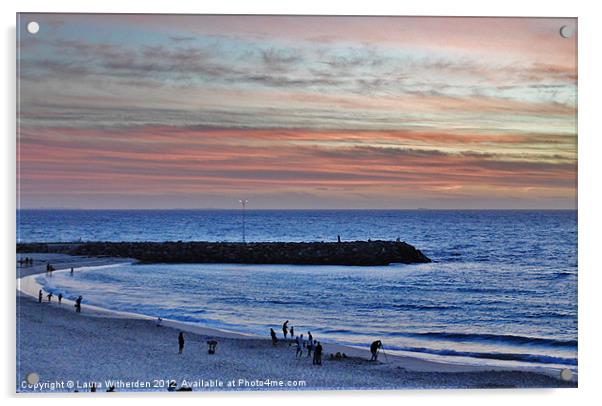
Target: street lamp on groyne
<point x="243" y="203"/>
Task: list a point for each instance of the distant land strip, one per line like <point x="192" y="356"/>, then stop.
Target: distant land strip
<point x="360" y="253"/>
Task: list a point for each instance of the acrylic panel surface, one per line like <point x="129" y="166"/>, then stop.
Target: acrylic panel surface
<point x="408" y="180"/>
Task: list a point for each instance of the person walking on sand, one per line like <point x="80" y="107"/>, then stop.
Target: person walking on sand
<point x="300" y="345"/>
<point x="318" y="354"/>
<point x="78" y="304"/>
<point x="60" y="297"/>
<point x="40" y="294"/>
<point x="374" y="347"/>
<point x="180" y="342"/>
<point x="274" y="338"/>
<point x="285" y="329"/>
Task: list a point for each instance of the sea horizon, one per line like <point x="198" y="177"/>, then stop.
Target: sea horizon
<point x="290" y="209"/>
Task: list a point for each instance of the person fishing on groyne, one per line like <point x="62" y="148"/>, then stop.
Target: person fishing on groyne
<point x="374" y="348"/>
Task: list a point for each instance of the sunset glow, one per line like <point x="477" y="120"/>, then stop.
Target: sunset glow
<point x="150" y="111"/>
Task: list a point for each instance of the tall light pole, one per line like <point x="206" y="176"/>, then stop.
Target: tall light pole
<point x="243" y="203"/>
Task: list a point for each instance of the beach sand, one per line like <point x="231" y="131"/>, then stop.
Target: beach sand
<point x="64" y="348"/>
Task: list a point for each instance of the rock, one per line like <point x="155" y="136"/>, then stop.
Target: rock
<point x="360" y="253"/>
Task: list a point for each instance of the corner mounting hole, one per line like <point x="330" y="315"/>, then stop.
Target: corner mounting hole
<point x="566" y="374"/>
<point x="33" y="27"/>
<point x="33" y="378"/>
<point x="567" y="31"/>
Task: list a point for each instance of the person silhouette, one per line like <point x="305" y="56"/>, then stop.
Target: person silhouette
<point x="180" y="342"/>
<point x="310" y="347"/>
<point x="274" y="338"/>
<point x="40" y="294"/>
<point x="374" y="347"/>
<point x="60" y="297"/>
<point x="285" y="329"/>
<point x="300" y="344"/>
<point x="318" y="354"/>
<point x="78" y="304"/>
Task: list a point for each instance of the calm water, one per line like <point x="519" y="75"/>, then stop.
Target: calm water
<point x="502" y="289"/>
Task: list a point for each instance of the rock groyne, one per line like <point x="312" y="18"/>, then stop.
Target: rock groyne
<point x="362" y="253"/>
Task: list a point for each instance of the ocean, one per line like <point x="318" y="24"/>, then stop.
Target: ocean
<point x="502" y="287"/>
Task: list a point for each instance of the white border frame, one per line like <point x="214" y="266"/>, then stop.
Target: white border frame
<point x="589" y="201"/>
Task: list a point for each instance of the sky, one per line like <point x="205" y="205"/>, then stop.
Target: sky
<point x="296" y="112"/>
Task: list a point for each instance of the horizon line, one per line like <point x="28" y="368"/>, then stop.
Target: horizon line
<point x="303" y="209"/>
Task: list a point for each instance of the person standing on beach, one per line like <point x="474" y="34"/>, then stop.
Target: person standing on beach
<point x="49" y="296"/>
<point x="78" y="304"/>
<point x="318" y="354"/>
<point x="285" y="329"/>
<point x="374" y="347"/>
<point x="40" y="294"/>
<point x="300" y="344"/>
<point x="310" y="347"/>
<point x="71" y="272"/>
<point x="292" y="332"/>
<point x="180" y="342"/>
<point x="60" y="297"/>
<point x="274" y="338"/>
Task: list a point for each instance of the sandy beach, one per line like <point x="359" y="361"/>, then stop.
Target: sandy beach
<point x="69" y="351"/>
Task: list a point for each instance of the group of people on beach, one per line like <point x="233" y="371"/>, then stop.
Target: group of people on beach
<point x="211" y="343"/>
<point x="78" y="301"/>
<point x="27" y="261"/>
<point x="311" y="345"/>
<point x="49" y="296"/>
<point x="77" y="305"/>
